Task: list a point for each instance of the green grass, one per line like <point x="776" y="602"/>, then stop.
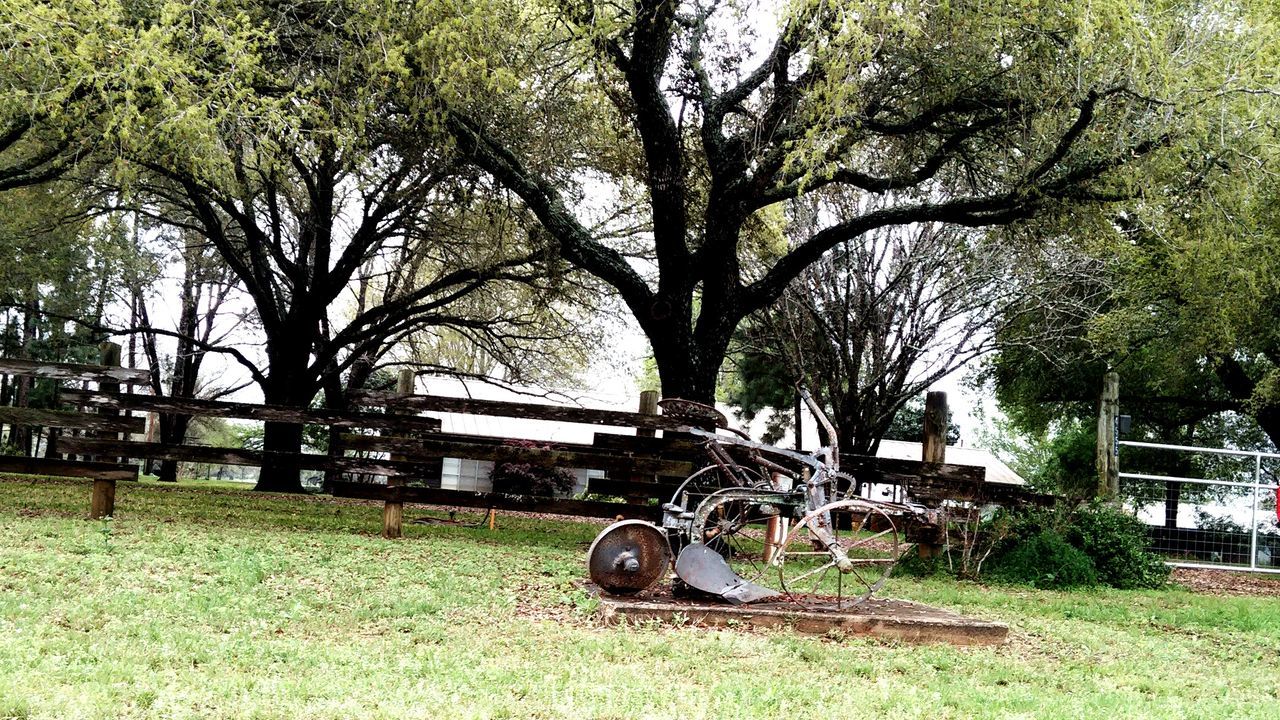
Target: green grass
<point x="200" y="602"/>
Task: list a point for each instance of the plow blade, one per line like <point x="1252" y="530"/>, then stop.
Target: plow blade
<point x="705" y="570"/>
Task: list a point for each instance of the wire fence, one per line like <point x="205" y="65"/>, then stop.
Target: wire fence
<point x="1206" y="507"/>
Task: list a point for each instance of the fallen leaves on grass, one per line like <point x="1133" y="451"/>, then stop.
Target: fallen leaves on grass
<point x="1227" y="582"/>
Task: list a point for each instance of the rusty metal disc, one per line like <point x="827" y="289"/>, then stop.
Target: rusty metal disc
<point x="629" y="556"/>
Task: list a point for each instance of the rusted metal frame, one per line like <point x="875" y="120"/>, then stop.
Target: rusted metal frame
<point x="832" y="451"/>
<point x="771" y="466"/>
<point x="752" y="495"/>
<point x="815" y="494"/>
<point x="804" y="459"/>
<point x="726" y="463"/>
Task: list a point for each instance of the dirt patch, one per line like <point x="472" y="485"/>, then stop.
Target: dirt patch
<point x="886" y="619"/>
<point x="1227" y="582"/>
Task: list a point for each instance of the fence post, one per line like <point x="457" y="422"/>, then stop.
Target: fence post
<point x="1106" y="461"/>
<point x="393" y="510"/>
<point x="933" y="449"/>
<point x="1257" y="486"/>
<point x="648" y="406"/>
<point x="103" y="502"/>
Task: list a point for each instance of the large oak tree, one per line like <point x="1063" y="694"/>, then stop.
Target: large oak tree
<point x="347" y="228"/>
<point x="698" y="122"/>
<point x="274" y="131"/>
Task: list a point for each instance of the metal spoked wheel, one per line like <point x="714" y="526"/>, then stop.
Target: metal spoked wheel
<point x="866" y="546"/>
<point x="744" y="525"/>
<point x="707" y="481"/>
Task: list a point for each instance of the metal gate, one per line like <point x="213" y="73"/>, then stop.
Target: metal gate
<point x="1218" y="511"/>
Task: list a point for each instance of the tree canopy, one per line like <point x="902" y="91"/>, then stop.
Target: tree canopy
<point x="277" y="132"/>
<point x="695" y="131"/>
<point x="876" y="322"/>
<point x="367" y="170"/>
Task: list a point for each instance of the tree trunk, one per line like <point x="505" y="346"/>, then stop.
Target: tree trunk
<point x="681" y="373"/>
<point x="20" y="435"/>
<point x="1172" y="498"/>
<point x="281" y="474"/>
<point x="687" y="366"/>
<point x="168" y="471"/>
<point x="287" y="385"/>
<point x="173" y="431"/>
<point x="187" y="359"/>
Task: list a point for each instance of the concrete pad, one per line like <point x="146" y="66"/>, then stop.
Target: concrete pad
<point x="899" y="620"/>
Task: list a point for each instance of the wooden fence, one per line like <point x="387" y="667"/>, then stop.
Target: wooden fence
<point x="387" y="438"/>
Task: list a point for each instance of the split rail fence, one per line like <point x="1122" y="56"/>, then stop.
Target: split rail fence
<point x="397" y="454"/>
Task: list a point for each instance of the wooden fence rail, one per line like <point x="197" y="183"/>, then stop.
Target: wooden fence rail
<point x="72" y="372"/>
<point x="528" y="411"/>
<point x="409" y="449"/>
<point x="251" y="411"/>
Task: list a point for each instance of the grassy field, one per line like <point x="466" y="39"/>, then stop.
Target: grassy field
<point x="201" y="602"/>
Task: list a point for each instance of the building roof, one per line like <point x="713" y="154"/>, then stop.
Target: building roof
<point x="997" y="471"/>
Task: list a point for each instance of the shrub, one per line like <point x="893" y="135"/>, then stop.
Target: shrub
<point x="530" y="479"/>
<point x="912" y="565"/>
<point x="1049" y="549"/>
<point x="1117" y="543"/>
<point x="1045" y="560"/>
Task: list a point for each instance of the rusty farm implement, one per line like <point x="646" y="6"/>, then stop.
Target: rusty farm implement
<point x="759" y="522"/>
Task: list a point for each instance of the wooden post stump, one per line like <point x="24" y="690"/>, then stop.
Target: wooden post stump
<point x="934" y="450"/>
<point x="393" y="510"/>
<point x="648" y="406"/>
<point x="103" y="502"/>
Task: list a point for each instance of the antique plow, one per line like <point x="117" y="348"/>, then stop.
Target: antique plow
<point x="759" y="522"/>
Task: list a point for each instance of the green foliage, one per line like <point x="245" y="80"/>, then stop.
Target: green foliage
<point x="59" y="267"/>
<point x="758" y="382"/>
<point x="908" y="423"/>
<point x="700" y="147"/>
<point x="911" y="564"/>
<point x="1094" y="544"/>
<point x="1044" y="560"/>
<point x="647" y="375"/>
<point x="104" y="531"/>
<point x="1061" y="460"/>
<point x="531" y="479"/>
<point x="210" y="589"/>
<point x="1116" y="542"/>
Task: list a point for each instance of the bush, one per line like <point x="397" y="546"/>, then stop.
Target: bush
<point x="1045" y="560"/>
<point x="1094" y="544"/>
<point x="912" y="565"/>
<point x="529" y="479"/>
<point x="1117" y="543"/>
